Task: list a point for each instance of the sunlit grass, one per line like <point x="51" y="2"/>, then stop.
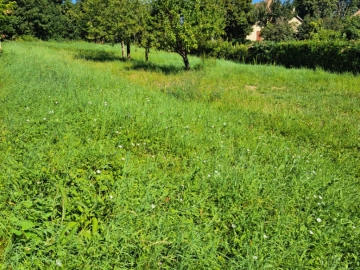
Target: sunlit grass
<point x="106" y="163"/>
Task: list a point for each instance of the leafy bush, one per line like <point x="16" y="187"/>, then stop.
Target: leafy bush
<point x="330" y="55"/>
<point x="27" y="38"/>
<point x="351" y="28"/>
<point x="223" y="50"/>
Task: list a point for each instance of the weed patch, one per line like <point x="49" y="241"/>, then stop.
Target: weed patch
<point x="125" y="164"/>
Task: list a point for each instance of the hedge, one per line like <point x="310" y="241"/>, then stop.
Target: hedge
<point x="332" y="55"/>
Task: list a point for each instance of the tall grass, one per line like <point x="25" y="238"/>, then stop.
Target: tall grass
<point x="118" y="164"/>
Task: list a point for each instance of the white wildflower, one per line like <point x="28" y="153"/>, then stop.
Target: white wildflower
<point x="44" y="119"/>
<point x="265" y="236"/>
<point x="255" y="257"/>
<point x="98" y="171"/>
<point x="111" y="197"/>
<point x="320" y="197"/>
<point x="318" y="219"/>
<point x="153" y="206"/>
<point x="233" y="226"/>
<point x="120" y="146"/>
<point x="58" y="263"/>
<point x="311" y="232"/>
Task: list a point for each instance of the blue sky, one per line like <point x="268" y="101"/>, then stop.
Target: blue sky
<point x="256" y="1"/>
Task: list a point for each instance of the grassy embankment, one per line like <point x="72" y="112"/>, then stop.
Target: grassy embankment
<point x="108" y="164"/>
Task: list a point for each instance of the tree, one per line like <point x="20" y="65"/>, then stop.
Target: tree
<point x="273" y="11"/>
<point x="146" y="35"/>
<point x="351" y="28"/>
<point x="326" y="8"/>
<point x="274" y="17"/>
<point x="6" y="9"/>
<point x="309" y="26"/>
<point x="94" y="20"/>
<point x="111" y="21"/>
<point x="71" y="20"/>
<point x="38" y="18"/>
<point x="181" y="25"/>
<point x="239" y="19"/>
<point x="315" y="8"/>
<point x="281" y="30"/>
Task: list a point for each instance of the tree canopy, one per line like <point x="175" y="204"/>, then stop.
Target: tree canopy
<point x="181" y="25"/>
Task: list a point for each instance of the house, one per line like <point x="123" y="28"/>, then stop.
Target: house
<point x="255" y="33"/>
<point x="357" y="13"/>
<point x="256" y="29"/>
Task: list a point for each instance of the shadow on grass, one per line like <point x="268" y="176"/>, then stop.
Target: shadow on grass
<point x="103" y="56"/>
<point x="165" y="69"/>
<point x="98" y="56"/>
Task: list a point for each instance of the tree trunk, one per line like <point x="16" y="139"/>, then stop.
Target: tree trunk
<point x="147" y="54"/>
<point x="122" y="49"/>
<point x="128" y="50"/>
<point x="186" y="60"/>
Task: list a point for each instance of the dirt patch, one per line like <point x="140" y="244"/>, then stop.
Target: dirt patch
<point x="277" y="88"/>
<point x="250" y="87"/>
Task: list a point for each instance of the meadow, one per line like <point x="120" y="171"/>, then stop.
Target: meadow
<point x="113" y="164"/>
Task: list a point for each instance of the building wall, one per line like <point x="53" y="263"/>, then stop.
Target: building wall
<point x="254" y="35"/>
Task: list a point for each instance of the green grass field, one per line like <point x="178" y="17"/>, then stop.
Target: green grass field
<point x="111" y="164"/>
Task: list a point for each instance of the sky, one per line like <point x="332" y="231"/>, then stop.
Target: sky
<point x="256" y="1"/>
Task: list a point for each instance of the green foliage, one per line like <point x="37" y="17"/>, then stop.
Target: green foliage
<point x="110" y="165"/>
<point x="309" y="26"/>
<point x="239" y="19"/>
<point x="223" y="50"/>
<point x="326" y="8"/>
<point x="181" y="26"/>
<point x="331" y="55"/>
<point x="273" y="12"/>
<point x="281" y="30"/>
<point x="6" y="9"/>
<point x="326" y="35"/>
<point x="39" y="18"/>
<point x="351" y="28"/>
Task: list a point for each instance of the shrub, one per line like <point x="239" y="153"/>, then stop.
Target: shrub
<point x="330" y="55"/>
<point x="223" y="50"/>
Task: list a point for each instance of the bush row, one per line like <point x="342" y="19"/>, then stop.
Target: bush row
<point x="223" y="50"/>
<point x="332" y="55"/>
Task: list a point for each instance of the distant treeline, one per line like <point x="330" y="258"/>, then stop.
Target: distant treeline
<point x="178" y="25"/>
